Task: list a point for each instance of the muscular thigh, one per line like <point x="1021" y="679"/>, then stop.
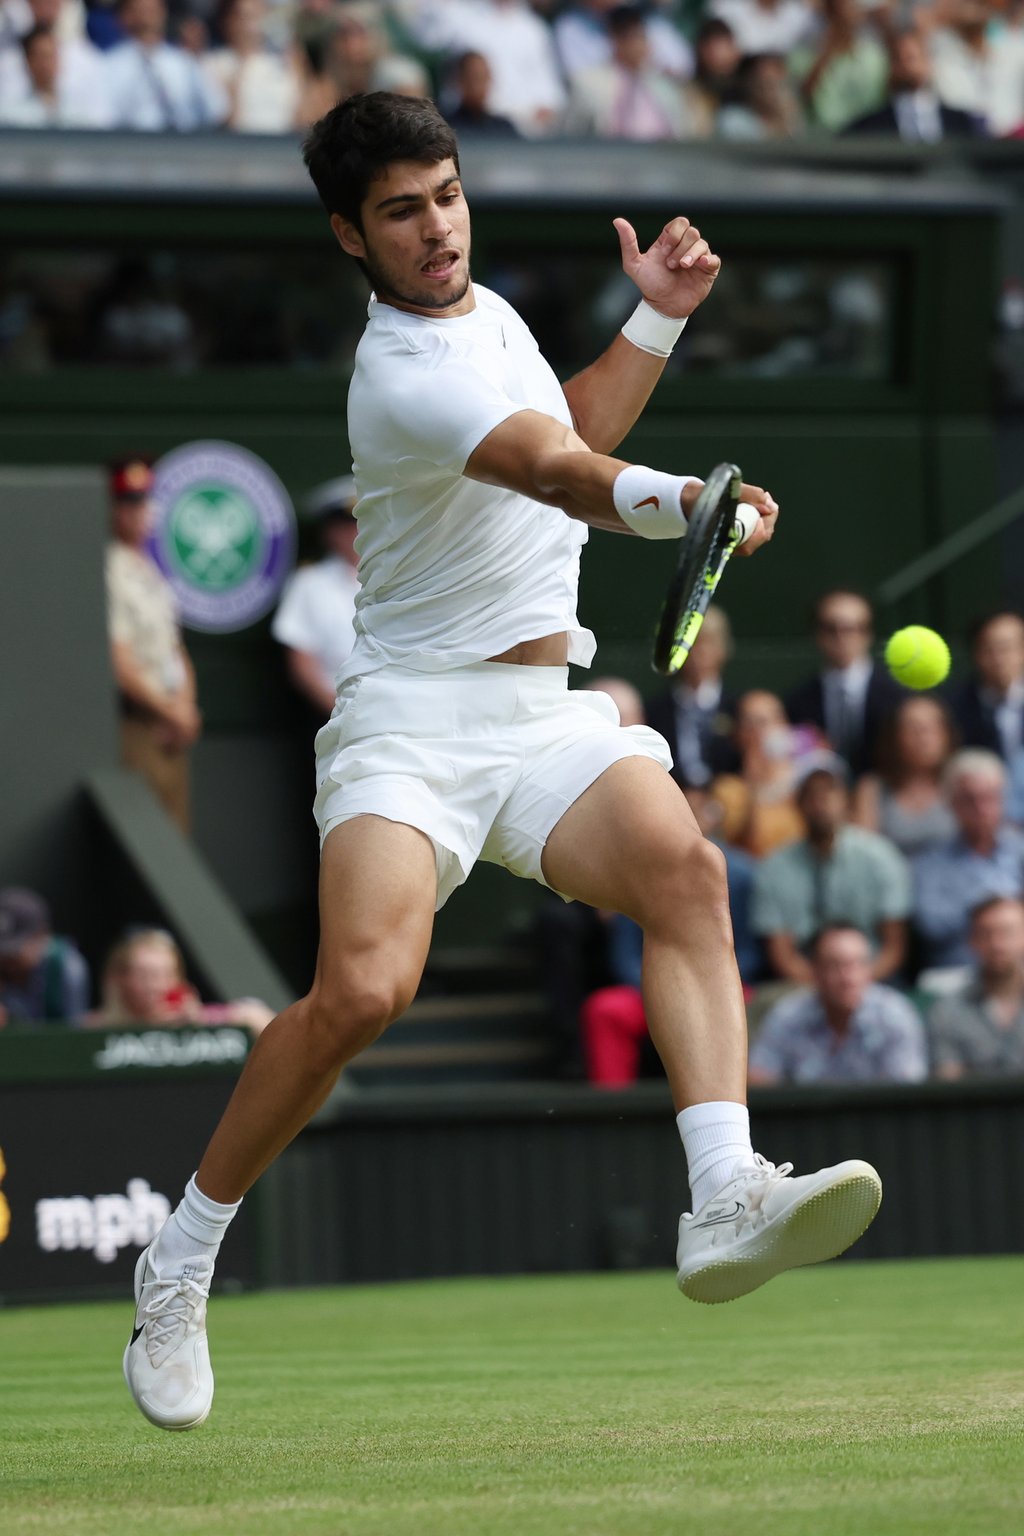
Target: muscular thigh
<point x="378" y="882"/>
<point x="631" y="825"/>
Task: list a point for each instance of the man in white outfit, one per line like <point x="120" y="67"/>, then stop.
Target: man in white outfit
<point x="315" y="617"/>
<point x="455" y="736"/>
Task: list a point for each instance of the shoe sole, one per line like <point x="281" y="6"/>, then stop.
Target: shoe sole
<point x="819" y="1228"/>
<point x="159" y="1423"/>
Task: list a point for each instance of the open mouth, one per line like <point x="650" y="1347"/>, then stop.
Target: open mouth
<point x="440" y="266"/>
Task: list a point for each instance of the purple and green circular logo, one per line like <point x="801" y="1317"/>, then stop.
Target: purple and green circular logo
<point x="224" y="534"/>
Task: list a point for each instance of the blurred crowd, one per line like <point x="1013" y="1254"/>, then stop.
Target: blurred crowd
<point x="874" y="849"/>
<point x="660" y="70"/>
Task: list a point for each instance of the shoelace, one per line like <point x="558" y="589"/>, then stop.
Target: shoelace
<point x="170" y="1311"/>
<point x="767" y="1175"/>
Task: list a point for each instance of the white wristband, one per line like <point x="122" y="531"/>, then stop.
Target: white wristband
<point x="652" y="332"/>
<point x="650" y="502"/>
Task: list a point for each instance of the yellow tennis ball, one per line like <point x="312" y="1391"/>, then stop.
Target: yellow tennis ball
<point x="917" y="657"/>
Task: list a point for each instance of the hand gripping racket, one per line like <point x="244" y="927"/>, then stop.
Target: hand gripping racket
<point x="717" y="524"/>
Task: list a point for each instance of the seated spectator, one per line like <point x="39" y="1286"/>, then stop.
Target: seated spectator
<point x="43" y="978"/>
<point x="843" y="76"/>
<point x="767" y="26"/>
<point x="835" y="873"/>
<point x="628" y="98"/>
<point x="583" y="41"/>
<point x="51" y="79"/>
<point x="315" y="615"/>
<point x="984" y="858"/>
<point x="513" y="39"/>
<point x="852" y="695"/>
<point x="144" y="982"/>
<point x="989" y="706"/>
<point x="261" y="88"/>
<point x="623" y="695"/>
<point x="153" y="85"/>
<point x="613" y="1023"/>
<point x="914" y="111"/>
<point x="1015" y="791"/>
<point x="979" y="73"/>
<point x="347" y="54"/>
<point x="844" y="1028"/>
<point x="905" y="800"/>
<point x="717" y="62"/>
<point x="981" y="1030"/>
<point x="696" y="715"/>
<point x="767" y="107"/>
<point x="472" y="89"/>
<point x="758" y="804"/>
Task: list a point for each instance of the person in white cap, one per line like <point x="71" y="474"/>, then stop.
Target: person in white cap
<point x="315" y="616"/>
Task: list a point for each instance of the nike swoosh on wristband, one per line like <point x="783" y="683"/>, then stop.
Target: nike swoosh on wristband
<point x="649" y="501"/>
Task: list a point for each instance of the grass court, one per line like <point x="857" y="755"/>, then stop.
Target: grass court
<point x="854" y="1399"/>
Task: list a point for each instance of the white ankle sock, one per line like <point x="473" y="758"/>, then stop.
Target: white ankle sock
<point x="196" y="1227"/>
<point x="716" y="1139"/>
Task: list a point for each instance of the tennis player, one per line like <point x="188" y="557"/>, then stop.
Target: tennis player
<point x="455" y="737"/>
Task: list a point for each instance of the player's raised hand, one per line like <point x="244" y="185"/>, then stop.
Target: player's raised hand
<point x="676" y="273"/>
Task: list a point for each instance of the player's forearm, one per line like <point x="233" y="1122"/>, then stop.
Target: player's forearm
<point x="608" y="398"/>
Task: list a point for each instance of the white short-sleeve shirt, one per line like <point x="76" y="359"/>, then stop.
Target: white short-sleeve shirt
<point x="453" y="571"/>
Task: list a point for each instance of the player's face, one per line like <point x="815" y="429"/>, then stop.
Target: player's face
<point x="415" y="239"/>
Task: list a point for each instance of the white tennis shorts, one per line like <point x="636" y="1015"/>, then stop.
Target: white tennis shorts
<point x="484" y="759"/>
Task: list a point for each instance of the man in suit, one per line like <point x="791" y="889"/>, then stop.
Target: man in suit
<point x="628" y="98"/>
<point x="696" y="715"/>
<point x="989" y="707"/>
<point x="852" y="696"/>
<point x="914" y="112"/>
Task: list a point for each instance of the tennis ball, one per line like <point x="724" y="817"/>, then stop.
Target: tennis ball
<point x="917" y="657"/>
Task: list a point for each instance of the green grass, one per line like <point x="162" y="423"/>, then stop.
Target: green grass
<point x="851" y="1400"/>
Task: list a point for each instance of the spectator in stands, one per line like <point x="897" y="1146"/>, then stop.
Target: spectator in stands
<point x="914" y="111"/>
<point x="48" y="101"/>
<point x="989" y="707"/>
<point x="767" y="26"/>
<point x="758" y="804"/>
<point x="43" y="978"/>
<point x="144" y="982"/>
<point x="697" y="714"/>
<point x="628" y="98"/>
<point x="851" y="697"/>
<point x="154" y="85"/>
<point x="160" y="721"/>
<point x="980" y="74"/>
<point x="76" y="98"/>
<point x="584" y="41"/>
<point x="985" y="858"/>
<point x="981" y="1029"/>
<point x="472" y="82"/>
<point x="348" y="53"/>
<point x="905" y="800"/>
<point x="513" y="39"/>
<point x="260" y="86"/>
<point x="623" y="695"/>
<point x="766" y="106"/>
<point x="714" y="82"/>
<point x="844" y="75"/>
<point x="835" y="873"/>
<point x="315" y="616"/>
<point x="845" y="1028"/>
<point x="612" y="1020"/>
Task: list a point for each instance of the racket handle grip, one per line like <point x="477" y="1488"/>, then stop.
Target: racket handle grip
<point x="745" y="522"/>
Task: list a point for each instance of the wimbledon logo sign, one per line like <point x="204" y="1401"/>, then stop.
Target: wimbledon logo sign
<point x="224" y="535"/>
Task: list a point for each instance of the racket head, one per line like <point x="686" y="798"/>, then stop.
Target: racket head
<point x="712" y="533"/>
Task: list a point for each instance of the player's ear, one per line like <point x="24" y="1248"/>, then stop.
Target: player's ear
<point x="348" y="236"/>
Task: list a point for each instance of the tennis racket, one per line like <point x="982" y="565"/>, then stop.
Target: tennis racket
<point x="716" y="525"/>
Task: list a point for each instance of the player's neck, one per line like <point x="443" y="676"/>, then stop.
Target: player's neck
<point x="465" y="306"/>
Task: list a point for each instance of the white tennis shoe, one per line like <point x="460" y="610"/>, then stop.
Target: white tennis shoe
<point x="167" y="1361"/>
<point x="764" y="1222"/>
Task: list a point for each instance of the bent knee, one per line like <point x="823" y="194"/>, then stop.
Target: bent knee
<point x="686" y="886"/>
<point x="351" y="1011"/>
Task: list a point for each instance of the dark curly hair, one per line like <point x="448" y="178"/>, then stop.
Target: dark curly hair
<point x="357" y="140"/>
